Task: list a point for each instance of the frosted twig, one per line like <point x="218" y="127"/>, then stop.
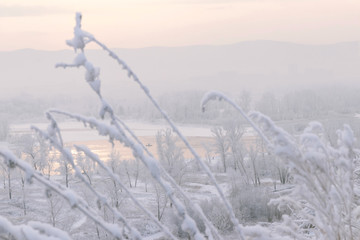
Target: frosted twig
<point x="68" y="156"/>
<point x="117" y="133"/>
<point x="66" y="193"/>
<point x="95" y="158"/>
<point x="92" y="77"/>
<point x="132" y="75"/>
<point x="214" y="95"/>
<point x="33" y="230"/>
<point x="196" y="208"/>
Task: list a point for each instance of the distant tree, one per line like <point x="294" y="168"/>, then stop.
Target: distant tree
<point x="234" y="132"/>
<point x="7" y="172"/>
<point x="115" y="165"/>
<point x="3" y="171"/>
<point x="4" y="129"/>
<point x="131" y="168"/>
<point x="55" y="206"/>
<point x="244" y="100"/>
<point x="269" y="105"/>
<point x="253" y="158"/>
<point x="125" y="165"/>
<point x="171" y="155"/>
<point x="65" y="169"/>
<point x="144" y="176"/>
<point x="86" y="166"/>
<point x="161" y="200"/>
<point x="221" y="144"/>
<point x="34" y="150"/>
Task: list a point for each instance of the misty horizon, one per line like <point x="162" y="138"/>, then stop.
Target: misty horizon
<point x="252" y="65"/>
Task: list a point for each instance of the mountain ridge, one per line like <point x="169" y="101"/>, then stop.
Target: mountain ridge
<point x="260" y="65"/>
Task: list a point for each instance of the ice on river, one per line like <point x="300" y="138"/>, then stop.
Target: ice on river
<point x="76" y="132"/>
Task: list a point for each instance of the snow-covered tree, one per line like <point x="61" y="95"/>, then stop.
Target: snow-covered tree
<point x="221" y="144"/>
<point x="324" y="199"/>
<point x="171" y="155"/>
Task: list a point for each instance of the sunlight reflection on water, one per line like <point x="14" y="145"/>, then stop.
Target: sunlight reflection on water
<point x="75" y="133"/>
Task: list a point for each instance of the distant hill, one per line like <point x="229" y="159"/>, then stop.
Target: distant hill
<point x="254" y="65"/>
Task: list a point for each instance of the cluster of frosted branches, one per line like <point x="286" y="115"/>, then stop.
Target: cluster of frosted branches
<point x="73" y="199"/>
<point x="80" y="44"/>
<point x="32" y="230"/>
<point x="324" y="201"/>
<point x="79" y="41"/>
<point x="69" y="158"/>
<point x="115" y="132"/>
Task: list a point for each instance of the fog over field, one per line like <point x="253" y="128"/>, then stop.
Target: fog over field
<point x="33" y="84"/>
<point x="252" y="65"/>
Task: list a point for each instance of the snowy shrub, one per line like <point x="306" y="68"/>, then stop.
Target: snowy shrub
<point x="216" y="213"/>
<point x="179" y="232"/>
<point x="147" y="228"/>
<point x="33" y="230"/>
<point x="324" y="199"/>
<point x="251" y="204"/>
<point x="171" y="155"/>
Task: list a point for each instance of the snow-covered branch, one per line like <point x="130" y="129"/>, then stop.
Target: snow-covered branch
<point x="322" y="200"/>
<point x="215" y="95"/>
<point x="115" y="177"/>
<point x="74" y="200"/>
<point x="68" y="157"/>
<point x="31" y="231"/>
<point x="132" y="75"/>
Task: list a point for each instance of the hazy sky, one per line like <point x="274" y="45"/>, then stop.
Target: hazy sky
<point x="44" y="24"/>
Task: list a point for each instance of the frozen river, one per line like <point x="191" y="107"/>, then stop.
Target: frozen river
<point x="75" y="131"/>
<point x="200" y="137"/>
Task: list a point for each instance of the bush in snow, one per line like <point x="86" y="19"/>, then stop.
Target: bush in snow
<point x="216" y="213"/>
<point x="251" y="204"/>
<point x="324" y="199"/>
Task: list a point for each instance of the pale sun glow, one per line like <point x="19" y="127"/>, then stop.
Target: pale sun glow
<point x="45" y="25"/>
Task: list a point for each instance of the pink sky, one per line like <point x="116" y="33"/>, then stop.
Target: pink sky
<point x="43" y="24"/>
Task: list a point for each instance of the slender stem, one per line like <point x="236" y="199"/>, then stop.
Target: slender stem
<point x="132" y="75"/>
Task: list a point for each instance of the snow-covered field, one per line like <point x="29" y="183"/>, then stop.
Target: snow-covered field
<point x="29" y="202"/>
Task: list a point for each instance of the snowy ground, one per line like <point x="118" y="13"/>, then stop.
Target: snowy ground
<point x="38" y="206"/>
